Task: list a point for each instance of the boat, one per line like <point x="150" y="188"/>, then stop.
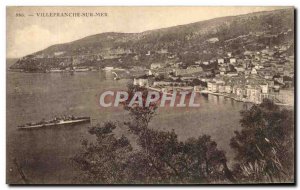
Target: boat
<point x="108" y="68"/>
<point x="116" y="76"/>
<point x="57" y="122"/>
<point x="81" y="69"/>
<point x="55" y="70"/>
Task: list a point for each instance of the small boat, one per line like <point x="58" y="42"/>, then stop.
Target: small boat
<point x="55" y="70"/>
<point x="116" y="76"/>
<point x="57" y="122"/>
<point x="81" y="69"/>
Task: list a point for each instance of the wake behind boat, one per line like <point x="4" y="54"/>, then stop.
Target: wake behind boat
<point x="57" y="122"/>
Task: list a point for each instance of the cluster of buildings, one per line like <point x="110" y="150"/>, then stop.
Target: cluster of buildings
<point x="245" y="76"/>
<point x="249" y="77"/>
<point x="249" y="92"/>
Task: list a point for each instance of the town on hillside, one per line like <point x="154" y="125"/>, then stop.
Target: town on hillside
<point x="246" y="59"/>
<point x="248" y="76"/>
<point x="252" y="77"/>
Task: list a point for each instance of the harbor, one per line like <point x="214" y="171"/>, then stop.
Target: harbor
<point x="40" y="95"/>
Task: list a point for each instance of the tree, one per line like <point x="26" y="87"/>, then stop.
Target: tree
<point x="195" y="82"/>
<point x="158" y="156"/>
<point x="192" y="161"/>
<point x="266" y="142"/>
<point x="103" y="161"/>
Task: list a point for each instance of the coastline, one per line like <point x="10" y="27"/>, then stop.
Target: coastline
<point x="224" y="95"/>
<point x="239" y="100"/>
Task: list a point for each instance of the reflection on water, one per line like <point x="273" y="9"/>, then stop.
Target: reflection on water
<point x="45" y="154"/>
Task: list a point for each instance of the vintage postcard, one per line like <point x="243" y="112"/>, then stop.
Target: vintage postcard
<point x="150" y="95"/>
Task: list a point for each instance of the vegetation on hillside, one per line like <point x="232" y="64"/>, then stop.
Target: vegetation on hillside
<point x="265" y="145"/>
<point x="264" y="151"/>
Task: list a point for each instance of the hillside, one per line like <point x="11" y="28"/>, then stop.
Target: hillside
<point x="188" y="43"/>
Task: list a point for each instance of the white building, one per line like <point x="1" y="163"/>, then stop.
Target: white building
<point x="240" y="69"/>
<point x="141" y="82"/>
<point x="212" y="86"/>
<point x="187" y="71"/>
<point x="168" y="83"/>
<point x="220" y="61"/>
<point x="228" y="89"/>
<point x="155" y="66"/>
<point x="253" y="94"/>
<point x="232" y="74"/>
<point x="213" y="40"/>
<point x="254" y="71"/>
<point x="264" y="88"/>
<point x="232" y="60"/>
<point x="221" y="88"/>
<point x="108" y="68"/>
<point x="239" y="92"/>
<point x="59" y="53"/>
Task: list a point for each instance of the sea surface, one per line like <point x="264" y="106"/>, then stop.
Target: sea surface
<point x="44" y="155"/>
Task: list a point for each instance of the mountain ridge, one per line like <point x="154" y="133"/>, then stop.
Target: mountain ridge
<point x="176" y="40"/>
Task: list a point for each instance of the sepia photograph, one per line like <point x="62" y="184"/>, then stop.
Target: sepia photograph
<point x="157" y="95"/>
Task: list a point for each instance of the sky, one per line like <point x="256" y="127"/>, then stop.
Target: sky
<point x="28" y="34"/>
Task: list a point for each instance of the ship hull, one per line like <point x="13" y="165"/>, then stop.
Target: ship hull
<point x="59" y="124"/>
